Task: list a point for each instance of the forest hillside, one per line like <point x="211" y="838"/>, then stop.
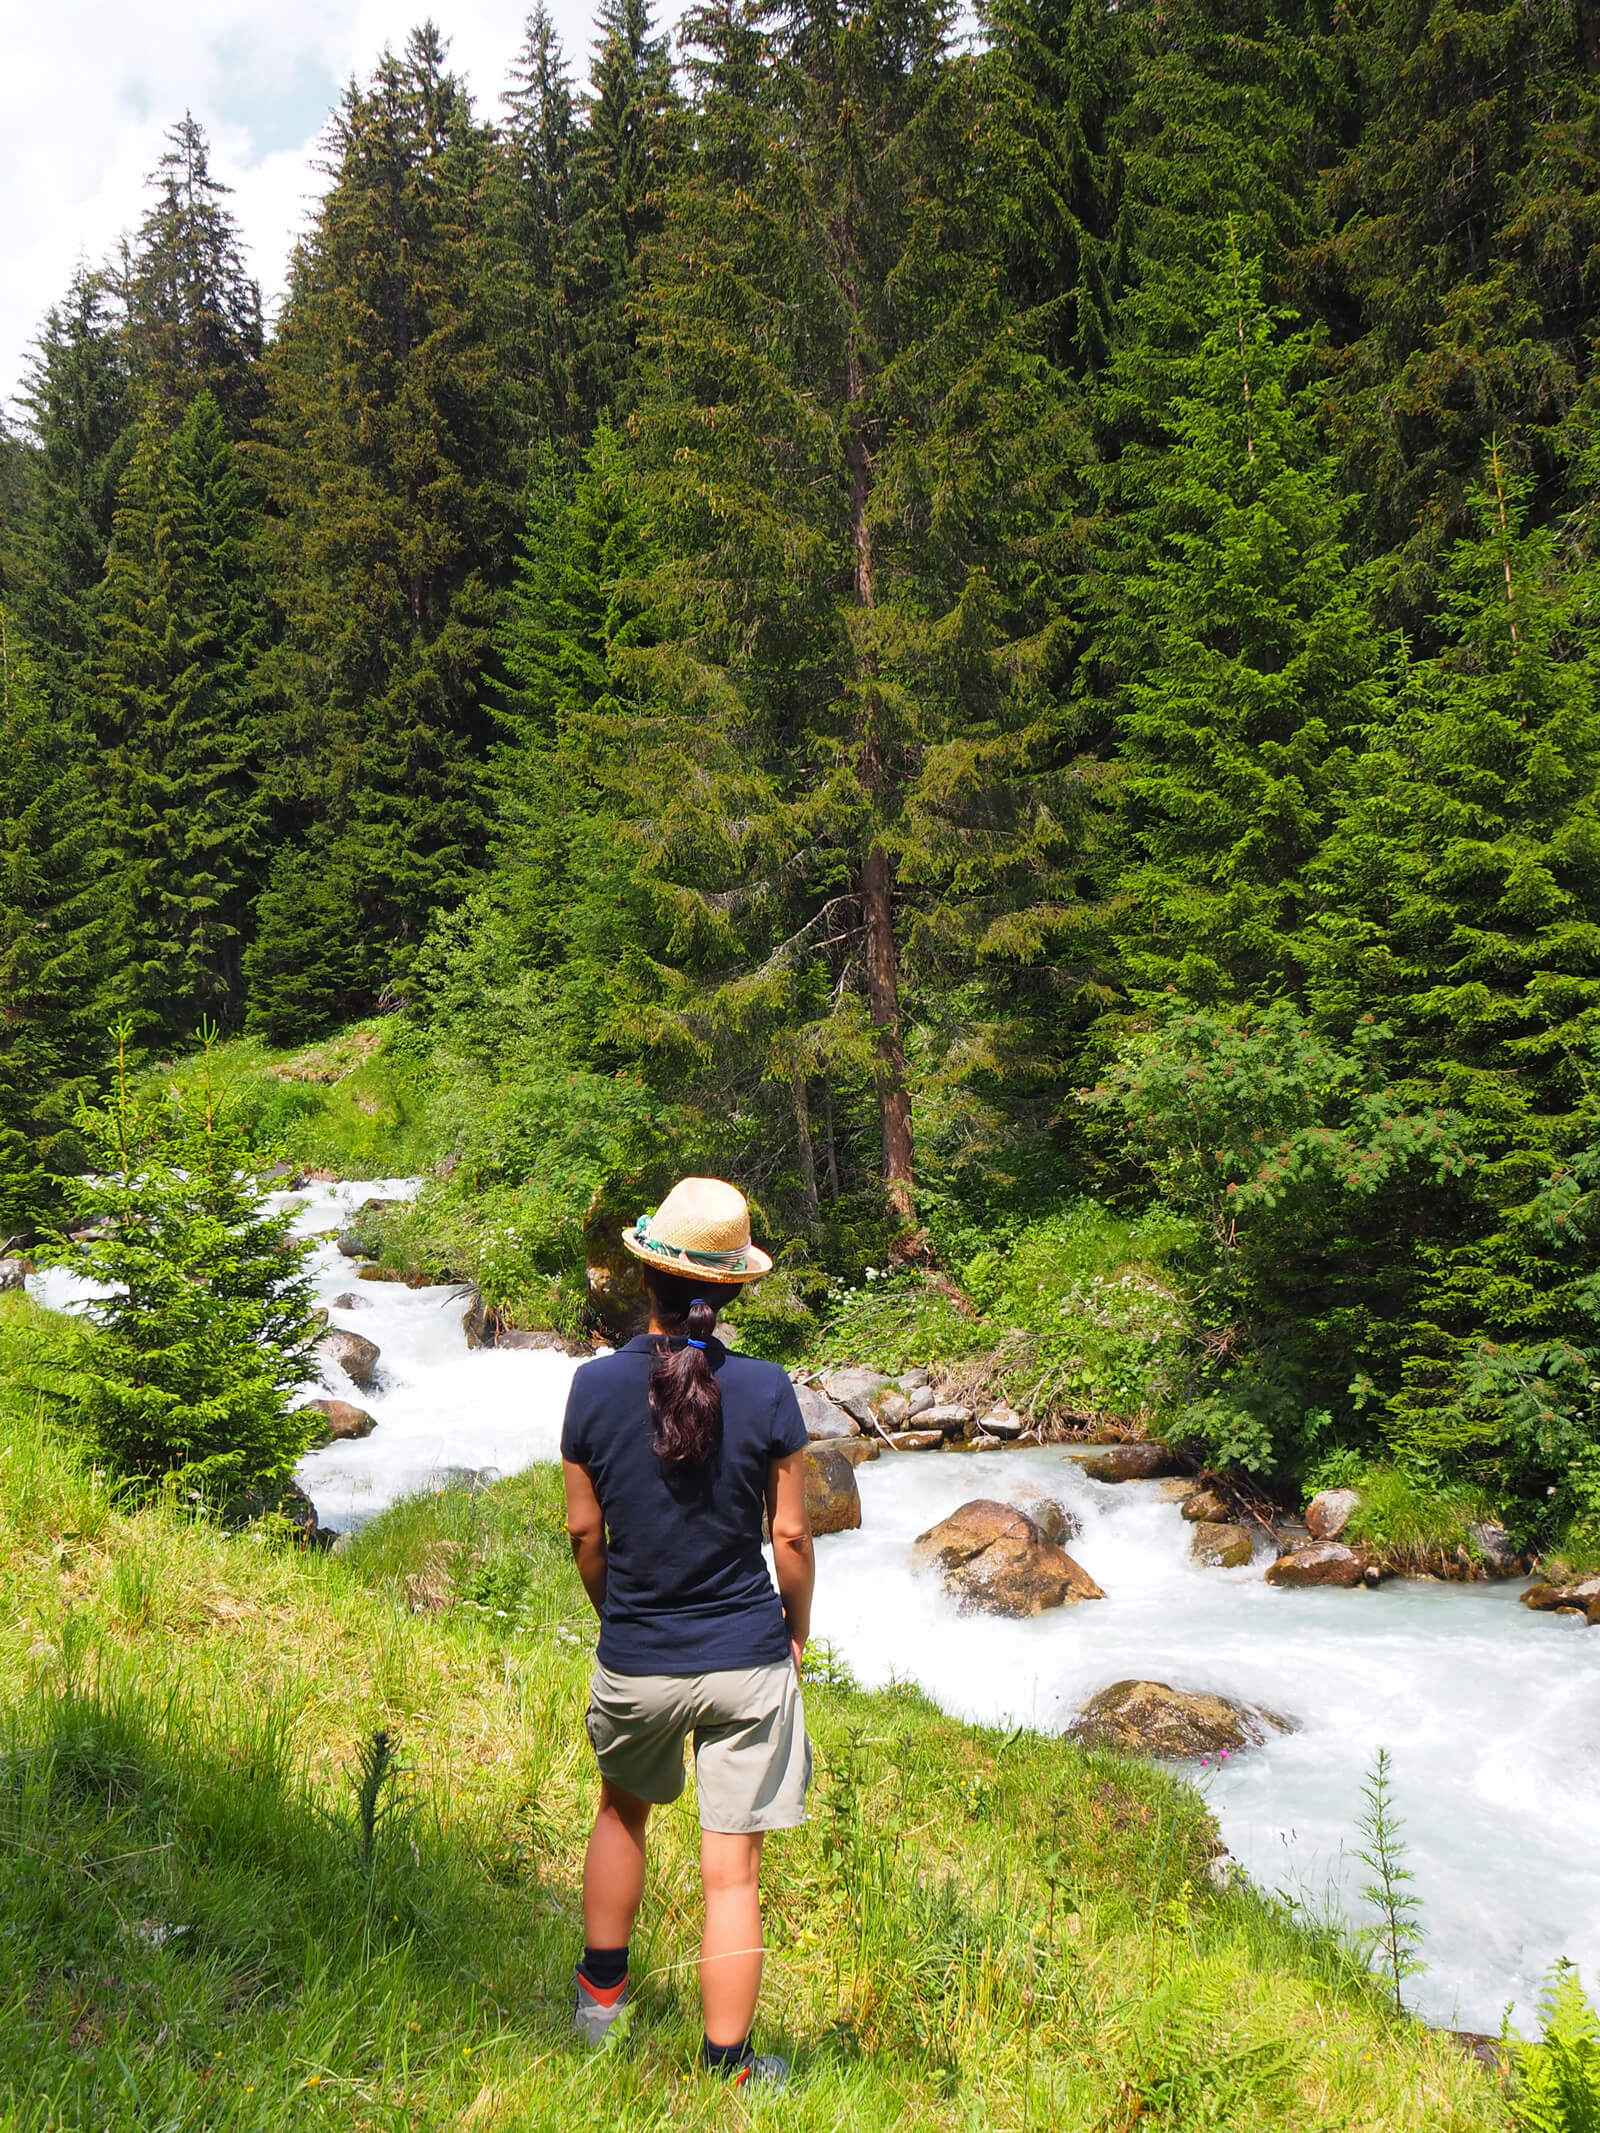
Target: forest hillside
<point x="959" y="629"/>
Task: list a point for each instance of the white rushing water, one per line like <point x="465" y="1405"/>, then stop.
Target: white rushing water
<point x="1491" y="1713"/>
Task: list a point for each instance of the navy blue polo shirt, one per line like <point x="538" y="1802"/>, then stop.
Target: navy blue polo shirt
<point x="687" y="1586"/>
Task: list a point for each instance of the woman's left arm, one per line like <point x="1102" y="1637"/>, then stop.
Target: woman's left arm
<point x="586" y="1529"/>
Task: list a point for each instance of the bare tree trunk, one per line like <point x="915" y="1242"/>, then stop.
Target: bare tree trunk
<point x="828" y="1140"/>
<point x="883" y="1003"/>
<point x="808" y="1154"/>
<point x="876" y="883"/>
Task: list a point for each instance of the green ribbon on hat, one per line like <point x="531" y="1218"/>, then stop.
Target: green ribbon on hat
<point x="733" y="1262"/>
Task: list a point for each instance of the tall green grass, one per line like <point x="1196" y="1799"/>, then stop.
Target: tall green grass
<point x="202" y="1926"/>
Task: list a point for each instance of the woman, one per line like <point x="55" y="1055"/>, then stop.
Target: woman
<point x="673" y="1449"/>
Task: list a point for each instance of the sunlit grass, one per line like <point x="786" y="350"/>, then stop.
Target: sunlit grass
<point x="976" y="1929"/>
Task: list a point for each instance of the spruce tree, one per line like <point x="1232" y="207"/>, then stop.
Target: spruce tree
<point x="840" y="450"/>
<point x="194" y="314"/>
<point x="624" y="157"/>
<point x="533" y="178"/>
<point x="80" y="410"/>
<point x="1456" y="897"/>
<point x="1456" y="272"/>
<point x="1235" y="640"/>
<point x="52" y="941"/>
<point x="392" y="466"/>
<point x="180" y="763"/>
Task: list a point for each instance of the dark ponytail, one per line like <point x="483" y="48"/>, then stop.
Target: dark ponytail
<point x="685" y="1398"/>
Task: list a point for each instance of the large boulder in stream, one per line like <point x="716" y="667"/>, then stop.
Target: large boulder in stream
<point x="1221" y="1544"/>
<point x="1329" y="1512"/>
<point x="833" y="1502"/>
<point x="14" y="1273"/>
<point x="354" y="1354"/>
<point x="1319" y="1563"/>
<point x="1130" y="1462"/>
<point x="824" y="1418"/>
<point x="995" y="1560"/>
<point x="1175" y="1725"/>
<point x="342" y="1420"/>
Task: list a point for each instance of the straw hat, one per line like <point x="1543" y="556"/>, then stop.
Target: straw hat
<point x="701" y="1227"/>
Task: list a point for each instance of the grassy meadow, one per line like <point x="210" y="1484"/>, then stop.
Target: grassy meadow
<point x="204" y="1923"/>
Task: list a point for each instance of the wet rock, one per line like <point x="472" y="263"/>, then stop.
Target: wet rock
<point x="994" y="1559"/>
<point x="342" y="1420"/>
<point x="1208" y="1505"/>
<point x="823" y="1418"/>
<point x="375" y="1206"/>
<point x="1477" y="2044"/>
<point x="917" y="1440"/>
<point x="856" y="1449"/>
<point x="1130" y="1462"/>
<point x="1328" y="1513"/>
<point x="948" y="1416"/>
<point x="282" y="1177"/>
<point x="1221" y="1544"/>
<point x="1499" y="1558"/>
<point x="384" y="1273"/>
<point x="478" y="1322"/>
<point x="874" y="1400"/>
<point x="353" y="1352"/>
<point x="541" y="1339"/>
<point x="14" y="1273"/>
<point x="1049" y="1514"/>
<point x="1318" y="1563"/>
<point x="1002" y="1422"/>
<point x="351" y="1301"/>
<point x="1175" y="1725"/>
<point x="1576" y="1597"/>
<point x="833" y="1502"/>
<point x="352" y="1245"/>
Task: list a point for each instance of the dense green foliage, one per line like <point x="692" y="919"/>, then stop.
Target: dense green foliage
<point x="797" y="605"/>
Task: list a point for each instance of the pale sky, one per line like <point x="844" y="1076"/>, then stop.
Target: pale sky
<point x="88" y="87"/>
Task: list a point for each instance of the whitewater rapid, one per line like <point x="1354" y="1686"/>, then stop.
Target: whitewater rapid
<point x="1491" y="1714"/>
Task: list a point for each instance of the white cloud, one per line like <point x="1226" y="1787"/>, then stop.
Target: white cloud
<point x="88" y="87"/>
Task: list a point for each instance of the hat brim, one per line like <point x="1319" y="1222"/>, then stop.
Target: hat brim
<point x="674" y="1261"/>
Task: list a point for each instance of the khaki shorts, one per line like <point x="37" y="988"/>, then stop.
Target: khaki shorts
<point x="752" y="1760"/>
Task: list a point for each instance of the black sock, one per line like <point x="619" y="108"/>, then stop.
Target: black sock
<point x="725" y="2058"/>
<point x="604" y="1967"/>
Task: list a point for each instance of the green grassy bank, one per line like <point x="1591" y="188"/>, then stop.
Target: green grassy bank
<point x="198" y="1927"/>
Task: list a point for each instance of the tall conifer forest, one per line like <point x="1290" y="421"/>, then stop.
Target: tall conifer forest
<point x="945" y="624"/>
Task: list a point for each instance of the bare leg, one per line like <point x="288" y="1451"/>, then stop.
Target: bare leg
<point x="730" y="1953"/>
<point x="613" y="1871"/>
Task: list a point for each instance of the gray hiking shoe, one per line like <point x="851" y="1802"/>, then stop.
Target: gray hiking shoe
<point x="763" y="2070"/>
<point x="596" y="2010"/>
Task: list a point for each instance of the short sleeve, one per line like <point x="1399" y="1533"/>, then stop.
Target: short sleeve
<point x="574" y="1423"/>
<point x="788" y="1424"/>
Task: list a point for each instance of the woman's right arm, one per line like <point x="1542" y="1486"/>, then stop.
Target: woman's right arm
<point x="586" y="1529"/>
<point x="793" y="1559"/>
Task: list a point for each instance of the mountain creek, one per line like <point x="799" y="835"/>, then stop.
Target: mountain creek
<point x="1490" y="1712"/>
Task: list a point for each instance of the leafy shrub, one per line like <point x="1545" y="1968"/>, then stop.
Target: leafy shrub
<point x="1290" y="1156"/>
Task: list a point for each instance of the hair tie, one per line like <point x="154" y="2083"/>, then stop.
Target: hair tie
<point x="695" y="1344"/>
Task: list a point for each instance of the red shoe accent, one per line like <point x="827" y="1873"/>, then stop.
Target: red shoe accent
<point x="741" y="2077"/>
<point x="604" y="1995"/>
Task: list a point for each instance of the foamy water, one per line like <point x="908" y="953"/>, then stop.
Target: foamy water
<point x="1491" y="1714"/>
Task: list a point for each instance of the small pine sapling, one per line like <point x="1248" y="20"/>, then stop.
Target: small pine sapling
<point x="1398" y="1932"/>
